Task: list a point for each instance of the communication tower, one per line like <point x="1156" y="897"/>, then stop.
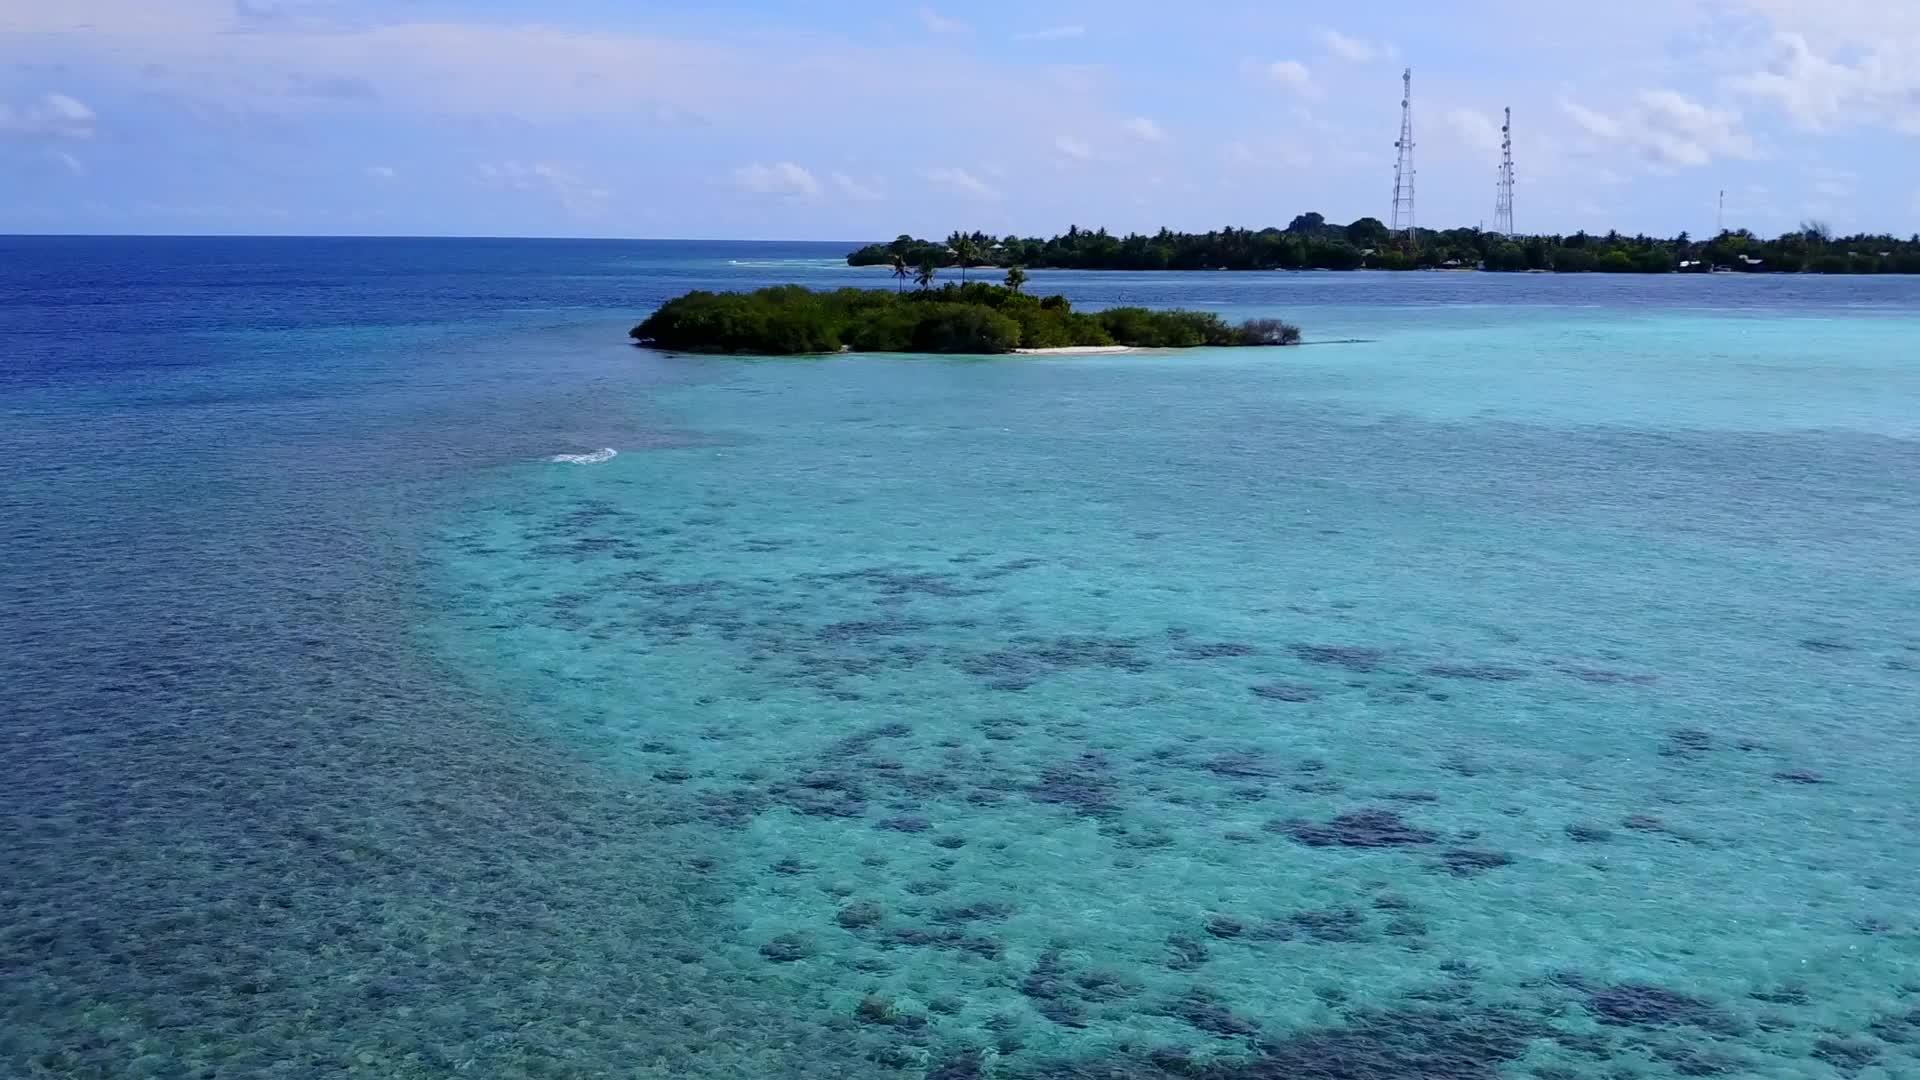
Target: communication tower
<point x="1403" y="167"/>
<point x="1503" y="198"/>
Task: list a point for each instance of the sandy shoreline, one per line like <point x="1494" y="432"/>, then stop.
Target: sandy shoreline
<point x="1076" y="350"/>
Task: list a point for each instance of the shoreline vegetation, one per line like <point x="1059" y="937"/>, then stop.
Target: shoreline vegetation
<point x="1311" y="242"/>
<point x="970" y="318"/>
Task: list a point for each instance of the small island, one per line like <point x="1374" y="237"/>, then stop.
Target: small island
<point x="969" y="318"/>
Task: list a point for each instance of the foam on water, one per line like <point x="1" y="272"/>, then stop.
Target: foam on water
<point x="597" y="457"/>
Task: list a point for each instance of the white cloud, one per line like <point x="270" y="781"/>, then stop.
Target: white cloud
<point x="1076" y="149"/>
<point x="485" y="69"/>
<point x="54" y="116"/>
<point x="73" y="164"/>
<point x="1667" y="129"/>
<point x="1474" y="128"/>
<point x="1597" y="124"/>
<point x="381" y="173"/>
<point x="939" y="23"/>
<point x="1352" y="49"/>
<point x="1839" y="23"/>
<point x="780" y="178"/>
<point x="1051" y="33"/>
<point x="857" y="191"/>
<point x="281" y="11"/>
<point x="1141" y="127"/>
<point x="70" y="16"/>
<point x="1880" y="86"/>
<point x="1291" y="74"/>
<point x="574" y="193"/>
<point x="960" y="182"/>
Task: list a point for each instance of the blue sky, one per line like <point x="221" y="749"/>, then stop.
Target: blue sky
<point x="849" y="120"/>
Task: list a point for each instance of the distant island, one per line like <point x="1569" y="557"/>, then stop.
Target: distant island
<point x="971" y="317"/>
<point x="1310" y="242"/>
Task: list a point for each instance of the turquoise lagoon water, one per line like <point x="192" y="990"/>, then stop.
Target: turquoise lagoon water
<point x="1521" y="682"/>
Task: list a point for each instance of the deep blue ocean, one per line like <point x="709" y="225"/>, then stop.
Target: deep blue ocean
<point x="1522" y="679"/>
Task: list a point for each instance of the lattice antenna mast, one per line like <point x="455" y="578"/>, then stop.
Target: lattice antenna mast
<point x="1403" y="167"/>
<point x="1503" y="199"/>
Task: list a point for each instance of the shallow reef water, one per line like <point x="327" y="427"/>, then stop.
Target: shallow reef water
<point x="1041" y="735"/>
<point x="1527" y="690"/>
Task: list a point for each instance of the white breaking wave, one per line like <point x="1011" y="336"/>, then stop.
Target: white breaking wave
<point x="786" y="262"/>
<point x="595" y="458"/>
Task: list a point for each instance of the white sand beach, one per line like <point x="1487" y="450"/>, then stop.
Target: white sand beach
<point x="1076" y="350"/>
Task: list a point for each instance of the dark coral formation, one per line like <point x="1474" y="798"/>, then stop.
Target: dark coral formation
<point x="1357" y="829"/>
<point x="1245" y="764"/>
<point x="920" y="937"/>
<point x="1205" y="1012"/>
<point x="786" y="948"/>
<point x="1279" y="691"/>
<point x="1332" y="924"/>
<point x="1185" y="952"/>
<point x="1469" y="862"/>
<point x="1825" y="645"/>
<point x="1847" y="1055"/>
<point x="1215" y="650"/>
<point x="1412" y="1040"/>
<point x="1086" y="786"/>
<point x="1035" y="658"/>
<point x="1608" y="677"/>
<point x="860" y="915"/>
<point x="1496" y="673"/>
<point x="1225" y="926"/>
<point x="1647" y="1006"/>
<point x="978" y="911"/>
<point x="1352" y="657"/>
<point x="1684" y="742"/>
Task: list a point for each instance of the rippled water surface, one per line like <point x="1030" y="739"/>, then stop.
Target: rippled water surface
<point x="1521" y="681"/>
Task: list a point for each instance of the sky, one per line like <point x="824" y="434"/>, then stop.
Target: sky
<point x="852" y="120"/>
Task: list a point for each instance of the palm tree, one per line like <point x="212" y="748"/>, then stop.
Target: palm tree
<point x="1016" y="278"/>
<point x="928" y="268"/>
<point x="901" y="272"/>
<point x="966" y="251"/>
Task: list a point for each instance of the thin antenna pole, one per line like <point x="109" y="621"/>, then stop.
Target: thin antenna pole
<point x="1403" y="171"/>
<point x="1720" y="218"/>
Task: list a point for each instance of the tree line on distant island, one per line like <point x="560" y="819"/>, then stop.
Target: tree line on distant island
<point x="1310" y="242"/>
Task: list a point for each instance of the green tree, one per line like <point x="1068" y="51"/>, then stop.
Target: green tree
<point x="928" y="271"/>
<point x="966" y="250"/>
<point x="1368" y="232"/>
<point x="1016" y="278"/>
<point x="901" y="272"/>
<point x="1311" y="223"/>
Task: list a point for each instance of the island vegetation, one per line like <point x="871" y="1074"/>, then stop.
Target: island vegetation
<point x="1310" y="242"/>
<point x="971" y="317"/>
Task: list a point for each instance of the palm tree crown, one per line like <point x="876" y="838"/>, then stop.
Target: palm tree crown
<point x="966" y="251"/>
